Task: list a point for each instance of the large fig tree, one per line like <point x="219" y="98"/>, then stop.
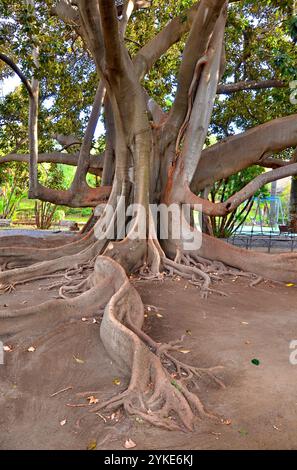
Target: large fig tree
<point x="154" y="156"/>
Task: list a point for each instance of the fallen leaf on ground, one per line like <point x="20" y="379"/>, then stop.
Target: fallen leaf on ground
<point x="92" y="400"/>
<point x="129" y="444"/>
<point x="184" y="351"/>
<point x="159" y="315"/>
<point x="139" y="420"/>
<point x="255" y="361"/>
<point x="189" y="332"/>
<point x="92" y="445"/>
<point x="84" y="319"/>
<point x="290" y="284"/>
<point x="31" y="349"/>
<point x="247" y="342"/>
<point x="63" y="422"/>
<point x="244" y="323"/>
<point x="7" y="348"/>
<point x="79" y="361"/>
<point x="226" y="421"/>
<point x="102" y="417"/>
<point x="275" y="427"/>
<point x="116" y="381"/>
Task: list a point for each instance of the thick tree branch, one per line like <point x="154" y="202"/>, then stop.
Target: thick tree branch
<point x="17" y="70"/>
<point x="243" y="150"/>
<point x="88" y="197"/>
<point x="228" y="89"/>
<point x="84" y="154"/>
<point x="156" y="47"/>
<point x="111" y="36"/>
<point x="159" y="45"/>
<point x="66" y="13"/>
<point x="223" y="208"/>
<point x="91" y="27"/>
<point x="200" y="112"/>
<point x="96" y="161"/>
<point x="273" y="163"/>
<point x="195" y="49"/>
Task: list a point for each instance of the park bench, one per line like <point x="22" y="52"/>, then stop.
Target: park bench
<point x="5" y="222"/>
<point x="284" y="229"/>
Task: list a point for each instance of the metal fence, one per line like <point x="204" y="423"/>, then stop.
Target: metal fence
<point x="265" y="241"/>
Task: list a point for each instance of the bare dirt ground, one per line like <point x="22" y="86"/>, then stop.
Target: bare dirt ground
<point x="258" y="407"/>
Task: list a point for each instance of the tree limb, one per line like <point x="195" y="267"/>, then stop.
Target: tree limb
<point x="156" y="47"/>
<point x="243" y="150"/>
<point x="84" y="154"/>
<point x="17" y="70"/>
<point x="111" y="36"/>
<point x="88" y="197"/>
<point x="195" y="49"/>
<point x="96" y="161"/>
<point x="223" y="208"/>
<point x="200" y="111"/>
<point x="229" y="88"/>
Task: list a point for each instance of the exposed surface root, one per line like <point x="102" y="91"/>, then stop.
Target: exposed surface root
<point x="196" y="270"/>
<point x="160" y="388"/>
<point x="153" y="394"/>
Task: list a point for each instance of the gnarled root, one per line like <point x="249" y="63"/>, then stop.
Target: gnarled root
<point x="45" y="268"/>
<point x="18" y="256"/>
<point x="155" y="393"/>
<point x="277" y="267"/>
<point x="152" y="393"/>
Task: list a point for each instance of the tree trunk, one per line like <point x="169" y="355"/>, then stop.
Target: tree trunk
<point x="146" y="162"/>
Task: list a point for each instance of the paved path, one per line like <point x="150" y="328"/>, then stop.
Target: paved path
<point x="31" y="233"/>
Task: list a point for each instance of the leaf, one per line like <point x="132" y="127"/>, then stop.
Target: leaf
<point x="129" y="444"/>
<point x="226" y="421"/>
<point x="31" y="349"/>
<point x="79" y="361"/>
<point x="159" y="315"/>
<point x="255" y="361"/>
<point x="7" y="348"/>
<point x="92" y="445"/>
<point x="189" y="332"/>
<point x="176" y="385"/>
<point x="139" y="420"/>
<point x="244" y="323"/>
<point x="290" y="284"/>
<point x="63" y="422"/>
<point x="184" y="351"/>
<point x="92" y="400"/>
<point x="116" y="381"/>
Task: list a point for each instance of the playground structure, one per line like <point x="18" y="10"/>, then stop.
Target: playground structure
<point x="268" y="229"/>
<point x="269" y="216"/>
